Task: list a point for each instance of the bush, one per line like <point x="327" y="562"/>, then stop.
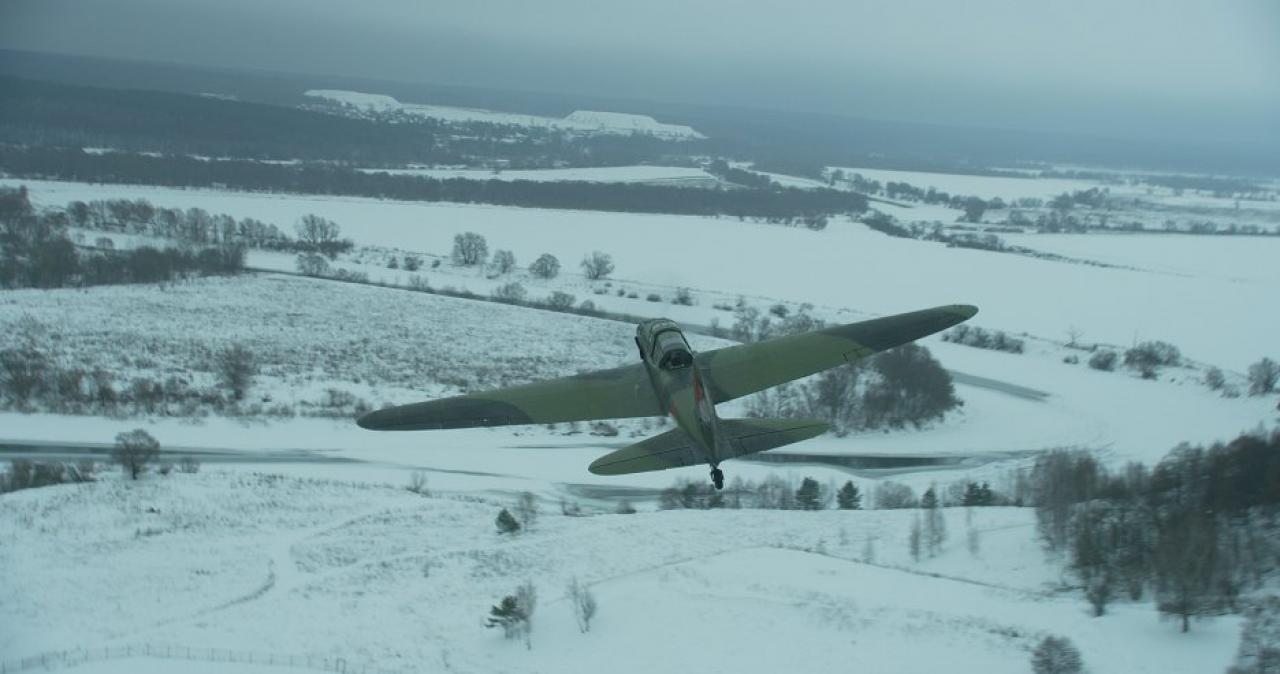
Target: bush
<point x="312" y="264"/>
<point x="469" y="249"/>
<point x="1103" y="360"/>
<point x="1148" y="357"/>
<point x="412" y="263"/>
<point x="994" y="340"/>
<point x="236" y="367"/>
<point x="189" y="464"/>
<point x="893" y="495"/>
<point x="584" y="604"/>
<point x="1263" y="376"/>
<point x="1056" y="655"/>
<point x="511" y="293"/>
<point x="653" y="297"/>
<point x="1215" y="379"/>
<point x="597" y="265"/>
<point x="546" y="266"/>
<point x="506" y="522"/>
<point x="561" y="301"/>
<point x="683" y="297"/>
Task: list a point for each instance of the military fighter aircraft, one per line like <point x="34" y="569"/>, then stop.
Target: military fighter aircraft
<point x="672" y="380"/>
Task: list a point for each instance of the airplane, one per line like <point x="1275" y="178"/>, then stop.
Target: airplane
<point x="671" y="380"/>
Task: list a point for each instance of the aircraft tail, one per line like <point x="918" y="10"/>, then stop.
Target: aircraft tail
<point x="748" y="436"/>
<point x="674" y="449"/>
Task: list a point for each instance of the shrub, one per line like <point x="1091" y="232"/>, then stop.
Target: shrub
<point x="546" y="266"/>
<point x="684" y="297"/>
<point x="312" y="264"/>
<point x="894" y="495"/>
<point x="1148" y="357"/>
<point x="189" y="464"/>
<point x="1103" y="360"/>
<point x="412" y="263"/>
<point x="561" y="301"/>
<point x="506" y="523"/>
<point x="1215" y="379"/>
<point x="511" y="293"/>
<point x="1056" y="655"/>
<point x="584" y="604"/>
<point x="236" y="367"/>
<point x="653" y="297"/>
<point x="1263" y="376"/>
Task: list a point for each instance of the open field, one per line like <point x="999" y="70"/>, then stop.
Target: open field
<point x="845" y="266"/>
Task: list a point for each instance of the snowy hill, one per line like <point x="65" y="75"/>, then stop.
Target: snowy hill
<point x="399" y="582"/>
<point x="581" y="121"/>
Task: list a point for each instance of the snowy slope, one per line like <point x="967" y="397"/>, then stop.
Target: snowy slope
<point x="388" y="579"/>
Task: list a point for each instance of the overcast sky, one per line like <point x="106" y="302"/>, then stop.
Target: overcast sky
<point x="1207" y="69"/>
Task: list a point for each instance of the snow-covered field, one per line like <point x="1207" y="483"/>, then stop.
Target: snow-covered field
<point x="607" y="174"/>
<point x="986" y="187"/>
<point x="582" y="121"/>
<point x="845" y="266"/>
<point x="380" y="577"/>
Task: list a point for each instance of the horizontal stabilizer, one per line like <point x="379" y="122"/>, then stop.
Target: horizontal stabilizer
<point x="748" y="436"/>
<point x="674" y="448"/>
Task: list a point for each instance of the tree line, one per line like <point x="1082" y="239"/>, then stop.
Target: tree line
<point x="36" y="251"/>
<point x="1197" y="529"/>
<point x="317" y="178"/>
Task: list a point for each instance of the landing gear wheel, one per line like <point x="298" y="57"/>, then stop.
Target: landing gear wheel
<point x="717" y="478"/>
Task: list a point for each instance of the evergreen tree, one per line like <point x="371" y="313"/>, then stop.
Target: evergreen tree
<point x="1056" y="655"/>
<point x="849" y="498"/>
<point x="506" y="522"/>
<point x="509" y="615"/>
<point x="807" y="496"/>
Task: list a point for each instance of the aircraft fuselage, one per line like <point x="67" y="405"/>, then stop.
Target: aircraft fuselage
<point x="679" y="385"/>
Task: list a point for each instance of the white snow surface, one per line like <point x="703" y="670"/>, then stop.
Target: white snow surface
<point x="387" y="579"/>
<point x="986" y="187"/>
<point x="583" y="121"/>
<point x="606" y="174"/>
<point x="845" y="266"/>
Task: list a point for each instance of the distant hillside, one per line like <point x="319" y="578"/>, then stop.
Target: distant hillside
<point x="748" y="134"/>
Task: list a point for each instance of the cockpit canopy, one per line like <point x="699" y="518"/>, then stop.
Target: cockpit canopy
<point x="662" y="342"/>
<point x="672" y="351"/>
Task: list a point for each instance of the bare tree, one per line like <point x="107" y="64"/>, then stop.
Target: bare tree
<point x="527" y="509"/>
<point x="134" y="450"/>
<point x="312" y="264"/>
<point x="597" y="265"/>
<point x="527" y="600"/>
<point x="236" y="369"/>
<point x="503" y="261"/>
<point x="469" y="249"/>
<point x="914" y="539"/>
<point x="318" y="234"/>
<point x="584" y="604"/>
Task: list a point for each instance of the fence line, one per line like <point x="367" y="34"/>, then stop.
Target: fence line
<point x="78" y="656"/>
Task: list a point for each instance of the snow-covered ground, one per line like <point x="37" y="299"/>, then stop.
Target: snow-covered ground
<point x="606" y="174"/>
<point x="582" y="121"/>
<point x="986" y="187"/>
<point x="1211" y="317"/>
<point x="383" y="578"/>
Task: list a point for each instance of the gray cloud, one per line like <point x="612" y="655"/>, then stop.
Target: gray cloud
<point x="1204" y="69"/>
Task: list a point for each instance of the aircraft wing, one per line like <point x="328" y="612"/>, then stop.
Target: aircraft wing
<point x="606" y="394"/>
<point x="736" y="371"/>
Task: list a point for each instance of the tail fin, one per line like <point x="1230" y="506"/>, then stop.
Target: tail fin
<point x="748" y="436"/>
